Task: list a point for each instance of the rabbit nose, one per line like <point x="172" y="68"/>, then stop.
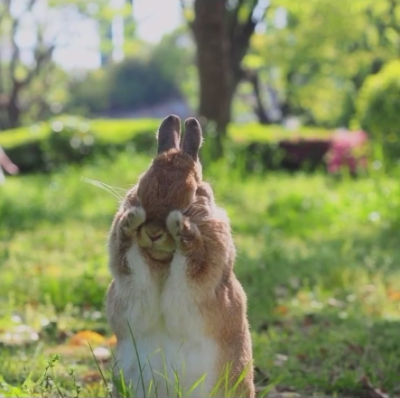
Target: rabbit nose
<point x="154" y="230"/>
<point x="154" y="236"/>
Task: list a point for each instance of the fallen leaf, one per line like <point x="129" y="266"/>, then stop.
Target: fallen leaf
<point x="86" y="336"/>
<point x="301" y="357"/>
<point x="281" y="309"/>
<point x="70" y="351"/>
<point x="112" y="341"/>
<point x="394" y="296"/>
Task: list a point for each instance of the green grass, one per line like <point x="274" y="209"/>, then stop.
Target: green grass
<point x="319" y="260"/>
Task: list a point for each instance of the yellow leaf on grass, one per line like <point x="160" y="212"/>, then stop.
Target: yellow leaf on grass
<point x="394" y="296"/>
<point x="86" y="336"/>
<point x="112" y="341"/>
<point x="281" y="309"/>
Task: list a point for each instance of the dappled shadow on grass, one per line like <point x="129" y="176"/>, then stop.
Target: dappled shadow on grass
<point x="327" y="355"/>
<point x="282" y="267"/>
<point x="325" y="311"/>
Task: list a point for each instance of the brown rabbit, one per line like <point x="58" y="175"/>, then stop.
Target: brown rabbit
<point x="175" y="305"/>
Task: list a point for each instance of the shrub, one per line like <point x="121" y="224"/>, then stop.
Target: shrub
<point x="378" y="108"/>
<point x="70" y="139"/>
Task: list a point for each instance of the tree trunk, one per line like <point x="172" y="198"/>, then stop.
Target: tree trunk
<point x="222" y="36"/>
<point x="260" y="111"/>
<point x="13" y="113"/>
<point x="210" y="32"/>
<point x="12" y="107"/>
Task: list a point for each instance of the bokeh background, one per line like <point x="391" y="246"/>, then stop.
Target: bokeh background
<point x="300" y="106"/>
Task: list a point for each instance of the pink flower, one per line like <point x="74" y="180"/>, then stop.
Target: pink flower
<point x="347" y="150"/>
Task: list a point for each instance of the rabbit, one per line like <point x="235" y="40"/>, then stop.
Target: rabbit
<point x="178" y="311"/>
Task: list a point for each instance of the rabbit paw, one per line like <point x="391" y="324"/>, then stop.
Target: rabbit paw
<point x="132" y="219"/>
<point x="180" y="227"/>
<point x="175" y="223"/>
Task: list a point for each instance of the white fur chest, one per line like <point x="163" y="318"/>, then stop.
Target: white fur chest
<point x="168" y="332"/>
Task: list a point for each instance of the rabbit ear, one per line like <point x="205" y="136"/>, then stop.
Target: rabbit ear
<point x="193" y="138"/>
<point x="169" y="133"/>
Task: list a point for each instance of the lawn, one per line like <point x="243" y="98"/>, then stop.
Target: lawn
<point x="319" y="259"/>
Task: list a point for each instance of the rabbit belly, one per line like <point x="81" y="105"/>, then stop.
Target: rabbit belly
<point x="168" y="331"/>
<point x="167" y="366"/>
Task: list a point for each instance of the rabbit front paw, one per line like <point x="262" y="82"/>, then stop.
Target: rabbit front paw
<point x="180" y="227"/>
<point x="132" y="219"/>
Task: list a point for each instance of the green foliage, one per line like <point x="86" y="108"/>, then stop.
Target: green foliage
<point x="148" y="77"/>
<point x="121" y="87"/>
<point x="89" y="95"/>
<point x="318" y="260"/>
<point x="174" y="54"/>
<point x="319" y="60"/>
<point x="66" y="139"/>
<point x="36" y="87"/>
<point x="136" y="83"/>
<point x="378" y="107"/>
<point x="123" y="130"/>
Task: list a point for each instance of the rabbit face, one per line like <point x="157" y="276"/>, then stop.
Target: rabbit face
<point x="169" y="184"/>
<point x="154" y="237"/>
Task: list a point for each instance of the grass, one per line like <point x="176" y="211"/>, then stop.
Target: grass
<point x="319" y="260"/>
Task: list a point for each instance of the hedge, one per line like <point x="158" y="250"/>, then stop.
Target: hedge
<point x="65" y="139"/>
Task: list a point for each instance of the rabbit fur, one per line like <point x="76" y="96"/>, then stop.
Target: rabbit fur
<point x="174" y="303"/>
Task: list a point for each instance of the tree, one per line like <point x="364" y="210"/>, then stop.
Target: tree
<point x="222" y="30"/>
<point x="15" y="76"/>
<point x="378" y="105"/>
<point x="319" y="58"/>
<point x="155" y="74"/>
<point x="30" y="33"/>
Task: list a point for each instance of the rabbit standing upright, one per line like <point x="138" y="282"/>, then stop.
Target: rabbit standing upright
<point x="175" y="305"/>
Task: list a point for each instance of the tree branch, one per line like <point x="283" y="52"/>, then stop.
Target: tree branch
<point x="40" y="58"/>
<point x="233" y="21"/>
<point x="15" y="49"/>
<point x="242" y="35"/>
<point x="259" y="107"/>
